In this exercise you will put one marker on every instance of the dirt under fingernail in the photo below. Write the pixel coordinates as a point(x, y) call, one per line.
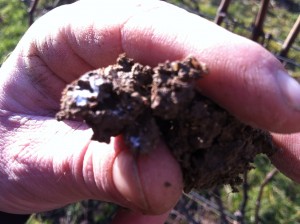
point(146, 104)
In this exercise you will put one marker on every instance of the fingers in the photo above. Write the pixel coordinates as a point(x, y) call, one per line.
point(81, 36)
point(287, 159)
point(243, 77)
point(40, 162)
point(46, 164)
point(150, 183)
point(153, 181)
point(61, 46)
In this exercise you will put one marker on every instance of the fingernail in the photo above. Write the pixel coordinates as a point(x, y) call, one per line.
point(290, 89)
point(126, 179)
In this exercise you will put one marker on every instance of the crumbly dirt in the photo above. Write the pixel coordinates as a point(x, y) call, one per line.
point(144, 104)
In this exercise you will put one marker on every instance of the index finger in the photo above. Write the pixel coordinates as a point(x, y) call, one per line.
point(244, 78)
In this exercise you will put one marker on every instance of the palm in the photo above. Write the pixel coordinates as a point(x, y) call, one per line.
point(46, 164)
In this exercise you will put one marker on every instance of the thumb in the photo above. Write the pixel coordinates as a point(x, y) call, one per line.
point(48, 164)
point(287, 159)
point(150, 183)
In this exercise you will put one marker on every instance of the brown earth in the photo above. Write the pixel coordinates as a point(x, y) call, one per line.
point(145, 104)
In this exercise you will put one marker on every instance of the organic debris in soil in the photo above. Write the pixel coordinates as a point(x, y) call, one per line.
point(144, 104)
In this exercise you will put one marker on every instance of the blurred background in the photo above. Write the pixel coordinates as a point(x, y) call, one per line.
point(266, 196)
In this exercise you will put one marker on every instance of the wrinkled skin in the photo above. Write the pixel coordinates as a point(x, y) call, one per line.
point(46, 164)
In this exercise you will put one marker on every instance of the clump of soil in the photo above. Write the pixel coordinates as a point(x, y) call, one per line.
point(145, 104)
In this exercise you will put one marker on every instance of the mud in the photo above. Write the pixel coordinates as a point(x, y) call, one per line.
point(144, 104)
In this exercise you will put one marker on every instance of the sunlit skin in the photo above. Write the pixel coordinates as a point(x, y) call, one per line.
point(46, 164)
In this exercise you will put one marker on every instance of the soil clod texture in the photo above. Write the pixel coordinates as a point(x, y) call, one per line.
point(145, 104)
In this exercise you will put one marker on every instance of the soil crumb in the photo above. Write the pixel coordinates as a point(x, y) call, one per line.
point(144, 104)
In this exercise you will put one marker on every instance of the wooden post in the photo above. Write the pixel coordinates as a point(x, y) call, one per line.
point(222, 11)
point(257, 30)
point(31, 11)
point(290, 38)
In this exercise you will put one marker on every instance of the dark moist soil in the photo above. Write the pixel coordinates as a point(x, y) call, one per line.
point(144, 104)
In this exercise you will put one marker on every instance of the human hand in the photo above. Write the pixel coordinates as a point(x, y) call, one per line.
point(46, 164)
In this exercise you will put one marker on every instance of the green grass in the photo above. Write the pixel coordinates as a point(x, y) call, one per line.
point(88, 211)
point(280, 196)
point(13, 24)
